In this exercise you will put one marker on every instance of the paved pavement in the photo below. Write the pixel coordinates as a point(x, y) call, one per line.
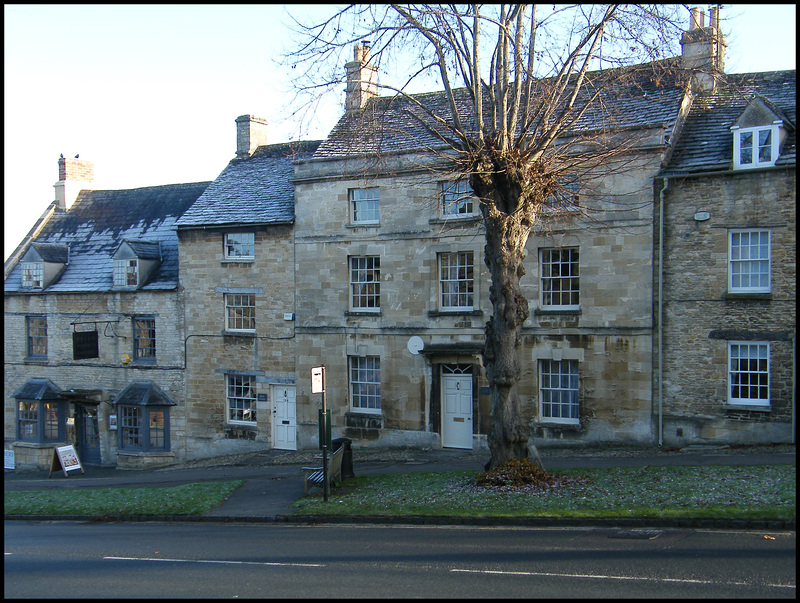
point(273, 480)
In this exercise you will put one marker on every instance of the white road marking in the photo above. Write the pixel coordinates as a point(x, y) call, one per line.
point(214, 561)
point(608, 577)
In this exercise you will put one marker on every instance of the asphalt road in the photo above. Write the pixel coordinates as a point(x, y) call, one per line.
point(204, 560)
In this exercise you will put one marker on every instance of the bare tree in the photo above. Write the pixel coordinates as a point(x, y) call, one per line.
point(519, 81)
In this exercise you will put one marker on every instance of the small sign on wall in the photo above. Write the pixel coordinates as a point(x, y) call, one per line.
point(8, 460)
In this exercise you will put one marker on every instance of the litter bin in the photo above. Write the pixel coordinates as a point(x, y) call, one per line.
point(347, 455)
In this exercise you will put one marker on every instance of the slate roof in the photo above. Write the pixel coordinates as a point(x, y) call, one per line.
point(97, 223)
point(57, 254)
point(706, 142)
point(143, 393)
point(38, 389)
point(149, 250)
point(650, 95)
point(252, 191)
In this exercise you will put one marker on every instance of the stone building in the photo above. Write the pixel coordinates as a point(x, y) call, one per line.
point(93, 327)
point(392, 292)
point(238, 279)
point(155, 325)
point(726, 368)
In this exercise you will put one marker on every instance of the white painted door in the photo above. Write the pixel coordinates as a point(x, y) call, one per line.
point(457, 411)
point(284, 417)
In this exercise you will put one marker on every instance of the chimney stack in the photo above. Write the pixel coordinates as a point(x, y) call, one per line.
point(703, 51)
point(251, 133)
point(362, 79)
point(73, 176)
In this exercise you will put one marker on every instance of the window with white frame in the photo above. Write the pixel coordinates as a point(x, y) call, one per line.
point(364, 205)
point(36, 327)
point(457, 199)
point(749, 261)
point(144, 338)
point(240, 245)
point(755, 147)
point(365, 383)
point(32, 274)
point(126, 273)
point(241, 398)
point(365, 283)
point(560, 285)
point(748, 372)
point(456, 281)
point(559, 391)
point(240, 312)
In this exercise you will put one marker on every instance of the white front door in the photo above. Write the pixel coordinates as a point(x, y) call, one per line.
point(457, 411)
point(284, 417)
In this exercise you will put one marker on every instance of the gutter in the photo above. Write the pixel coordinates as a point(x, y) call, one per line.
point(794, 388)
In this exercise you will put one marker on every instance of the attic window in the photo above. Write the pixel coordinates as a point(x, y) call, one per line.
point(457, 199)
point(126, 273)
point(240, 245)
point(364, 204)
point(755, 147)
point(32, 274)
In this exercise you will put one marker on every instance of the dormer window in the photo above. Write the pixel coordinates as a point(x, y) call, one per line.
point(755, 147)
point(135, 261)
point(126, 273)
point(758, 134)
point(43, 264)
point(32, 275)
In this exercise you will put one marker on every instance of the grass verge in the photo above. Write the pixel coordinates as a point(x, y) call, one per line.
point(718, 492)
point(187, 499)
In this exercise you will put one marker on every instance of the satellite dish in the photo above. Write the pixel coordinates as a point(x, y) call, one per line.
point(415, 344)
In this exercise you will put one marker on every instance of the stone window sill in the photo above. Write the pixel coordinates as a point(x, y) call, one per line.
point(569, 312)
point(562, 426)
point(238, 261)
point(748, 407)
point(748, 296)
point(439, 313)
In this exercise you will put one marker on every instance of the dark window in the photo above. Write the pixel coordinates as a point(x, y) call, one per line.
point(144, 338)
point(144, 428)
point(41, 420)
point(37, 336)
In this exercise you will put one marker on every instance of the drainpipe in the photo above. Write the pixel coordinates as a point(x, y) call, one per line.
point(794, 389)
point(662, 194)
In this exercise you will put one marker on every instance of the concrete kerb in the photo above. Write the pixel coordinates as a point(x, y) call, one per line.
point(419, 520)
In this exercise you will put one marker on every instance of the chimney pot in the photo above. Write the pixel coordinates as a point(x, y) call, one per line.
point(697, 18)
point(713, 17)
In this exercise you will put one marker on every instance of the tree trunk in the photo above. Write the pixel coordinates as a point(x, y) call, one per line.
point(508, 219)
point(508, 436)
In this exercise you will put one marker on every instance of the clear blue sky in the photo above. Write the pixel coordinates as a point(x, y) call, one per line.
point(150, 93)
